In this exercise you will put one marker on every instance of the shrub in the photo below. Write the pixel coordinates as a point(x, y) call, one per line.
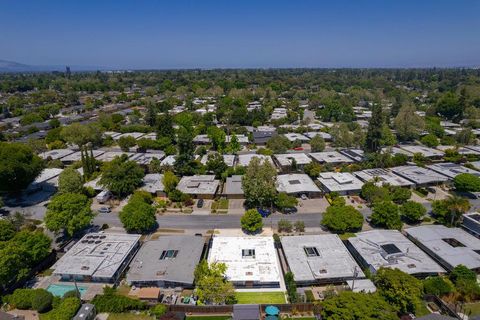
point(466, 182)
point(65, 310)
point(438, 286)
point(158, 310)
point(284, 225)
point(109, 301)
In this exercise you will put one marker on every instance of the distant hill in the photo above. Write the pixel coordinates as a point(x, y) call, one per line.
point(12, 66)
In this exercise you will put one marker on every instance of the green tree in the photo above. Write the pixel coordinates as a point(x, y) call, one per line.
point(317, 144)
point(373, 193)
point(313, 169)
point(65, 310)
point(400, 290)
point(291, 287)
point(70, 181)
point(284, 201)
point(439, 286)
point(217, 136)
point(233, 146)
point(467, 182)
point(399, 195)
point(216, 164)
point(412, 211)
point(258, 183)
point(69, 212)
point(81, 134)
point(19, 166)
point(7, 230)
point(211, 283)
point(279, 144)
point(341, 219)
point(449, 211)
point(448, 106)
point(408, 124)
point(42, 300)
point(165, 126)
point(385, 214)
point(374, 132)
point(126, 142)
point(429, 140)
point(121, 176)
point(342, 137)
point(252, 221)
point(170, 181)
point(357, 306)
point(138, 216)
point(183, 162)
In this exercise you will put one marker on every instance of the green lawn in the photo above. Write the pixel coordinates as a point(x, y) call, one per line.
point(221, 204)
point(260, 297)
point(128, 316)
point(474, 308)
point(208, 317)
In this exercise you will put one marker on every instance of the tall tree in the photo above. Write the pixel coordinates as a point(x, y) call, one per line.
point(70, 181)
point(212, 286)
point(258, 183)
point(69, 212)
point(121, 176)
point(408, 124)
point(374, 133)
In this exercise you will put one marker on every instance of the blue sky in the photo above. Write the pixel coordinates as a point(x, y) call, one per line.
point(243, 33)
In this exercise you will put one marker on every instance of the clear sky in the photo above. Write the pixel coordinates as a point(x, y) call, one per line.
point(241, 33)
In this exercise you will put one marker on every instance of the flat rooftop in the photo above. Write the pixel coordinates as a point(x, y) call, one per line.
point(199, 184)
point(247, 258)
point(452, 245)
point(330, 157)
point(295, 183)
point(168, 160)
point(77, 156)
point(396, 150)
point(419, 175)
point(153, 183)
point(233, 185)
point(355, 154)
point(285, 159)
point(55, 154)
point(319, 257)
point(326, 136)
point(383, 176)
point(451, 170)
point(244, 159)
point(296, 136)
point(110, 155)
point(145, 158)
point(391, 249)
point(98, 255)
point(229, 159)
point(168, 258)
point(425, 151)
point(340, 181)
point(460, 150)
point(135, 135)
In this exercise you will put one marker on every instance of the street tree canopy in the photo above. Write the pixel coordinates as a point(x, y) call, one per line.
point(258, 183)
point(121, 176)
point(341, 219)
point(70, 181)
point(252, 221)
point(138, 215)
point(69, 212)
point(385, 214)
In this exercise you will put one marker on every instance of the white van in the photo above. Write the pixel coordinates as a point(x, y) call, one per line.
point(104, 196)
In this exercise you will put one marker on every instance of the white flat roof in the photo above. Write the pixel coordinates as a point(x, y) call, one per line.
point(295, 183)
point(110, 155)
point(244, 159)
point(229, 159)
point(262, 266)
point(391, 249)
point(425, 151)
point(324, 135)
point(285, 159)
point(330, 157)
point(451, 170)
point(153, 183)
point(98, 255)
point(383, 176)
point(419, 175)
point(340, 181)
point(463, 249)
point(199, 184)
point(296, 136)
point(47, 174)
point(55, 154)
point(77, 156)
point(319, 257)
point(168, 161)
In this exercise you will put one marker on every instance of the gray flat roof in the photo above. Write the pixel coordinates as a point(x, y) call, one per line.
point(199, 184)
point(451, 170)
point(77, 156)
point(233, 185)
point(355, 154)
point(436, 239)
point(383, 176)
point(391, 249)
point(98, 255)
point(55, 154)
point(285, 159)
point(244, 159)
point(332, 262)
point(425, 151)
point(147, 265)
point(147, 157)
point(295, 183)
point(330, 157)
point(110, 155)
point(340, 181)
point(153, 183)
point(419, 175)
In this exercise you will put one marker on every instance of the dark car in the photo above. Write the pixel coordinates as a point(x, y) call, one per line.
point(264, 212)
point(290, 210)
point(200, 203)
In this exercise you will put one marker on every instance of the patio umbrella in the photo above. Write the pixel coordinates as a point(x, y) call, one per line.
point(272, 311)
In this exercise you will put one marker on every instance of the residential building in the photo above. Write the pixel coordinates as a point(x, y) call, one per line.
point(297, 184)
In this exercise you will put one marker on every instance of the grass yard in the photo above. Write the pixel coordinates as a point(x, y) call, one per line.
point(260, 297)
point(129, 316)
point(220, 205)
point(474, 308)
point(208, 317)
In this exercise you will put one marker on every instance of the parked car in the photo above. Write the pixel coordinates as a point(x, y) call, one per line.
point(431, 190)
point(264, 212)
point(104, 210)
point(104, 196)
point(200, 203)
point(304, 196)
point(290, 210)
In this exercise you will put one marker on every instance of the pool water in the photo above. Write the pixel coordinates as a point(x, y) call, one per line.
point(59, 290)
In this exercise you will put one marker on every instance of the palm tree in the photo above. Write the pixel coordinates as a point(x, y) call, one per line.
point(457, 206)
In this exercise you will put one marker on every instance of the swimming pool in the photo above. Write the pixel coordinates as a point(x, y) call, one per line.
point(59, 290)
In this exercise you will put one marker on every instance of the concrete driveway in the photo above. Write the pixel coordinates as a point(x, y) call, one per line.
point(235, 206)
point(312, 205)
